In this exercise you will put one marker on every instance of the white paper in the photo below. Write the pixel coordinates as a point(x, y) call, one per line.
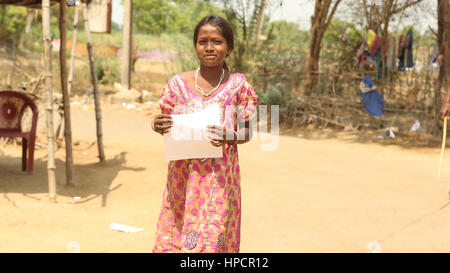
point(124, 228)
point(187, 137)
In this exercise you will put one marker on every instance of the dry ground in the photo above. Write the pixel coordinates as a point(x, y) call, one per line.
point(312, 194)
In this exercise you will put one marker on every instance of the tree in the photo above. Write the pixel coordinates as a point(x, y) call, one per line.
point(259, 15)
point(324, 11)
point(444, 49)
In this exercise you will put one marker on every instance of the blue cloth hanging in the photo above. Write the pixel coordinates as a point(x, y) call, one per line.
point(409, 46)
point(372, 99)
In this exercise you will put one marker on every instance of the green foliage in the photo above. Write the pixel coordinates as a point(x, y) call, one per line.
point(12, 24)
point(279, 59)
point(428, 38)
point(183, 44)
point(340, 43)
point(107, 70)
point(175, 16)
point(276, 94)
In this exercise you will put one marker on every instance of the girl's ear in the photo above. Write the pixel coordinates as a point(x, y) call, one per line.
point(229, 52)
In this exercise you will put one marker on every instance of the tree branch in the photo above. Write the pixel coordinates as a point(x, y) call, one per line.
point(366, 11)
point(407, 5)
point(333, 10)
point(433, 31)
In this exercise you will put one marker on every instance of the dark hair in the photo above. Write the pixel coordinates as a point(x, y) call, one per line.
point(225, 29)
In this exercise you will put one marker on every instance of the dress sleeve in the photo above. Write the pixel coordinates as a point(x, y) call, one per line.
point(167, 100)
point(246, 101)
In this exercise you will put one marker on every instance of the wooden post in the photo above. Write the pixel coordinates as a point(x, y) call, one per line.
point(126, 44)
point(73, 51)
point(66, 98)
point(98, 115)
point(49, 109)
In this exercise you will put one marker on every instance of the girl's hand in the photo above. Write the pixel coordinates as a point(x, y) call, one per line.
point(162, 123)
point(220, 135)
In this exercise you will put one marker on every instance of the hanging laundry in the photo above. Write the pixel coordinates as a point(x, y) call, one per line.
point(405, 51)
point(409, 48)
point(401, 52)
point(376, 50)
point(375, 45)
point(371, 36)
point(371, 97)
point(379, 64)
point(365, 55)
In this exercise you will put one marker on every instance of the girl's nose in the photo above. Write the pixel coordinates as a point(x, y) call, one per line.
point(209, 46)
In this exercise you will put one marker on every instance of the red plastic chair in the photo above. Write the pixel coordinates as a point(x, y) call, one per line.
point(12, 107)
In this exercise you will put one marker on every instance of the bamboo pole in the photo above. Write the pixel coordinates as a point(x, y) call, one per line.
point(66, 98)
point(444, 138)
point(49, 109)
point(73, 51)
point(98, 114)
point(126, 44)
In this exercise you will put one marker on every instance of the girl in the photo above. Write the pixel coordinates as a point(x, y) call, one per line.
point(201, 210)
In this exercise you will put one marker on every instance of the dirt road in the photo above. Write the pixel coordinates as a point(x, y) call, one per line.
point(309, 195)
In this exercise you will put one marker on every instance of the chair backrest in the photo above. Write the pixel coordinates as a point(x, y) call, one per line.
point(12, 107)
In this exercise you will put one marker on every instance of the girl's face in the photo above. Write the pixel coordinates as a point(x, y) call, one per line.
point(211, 46)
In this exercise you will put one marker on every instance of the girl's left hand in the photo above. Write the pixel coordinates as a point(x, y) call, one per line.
point(220, 135)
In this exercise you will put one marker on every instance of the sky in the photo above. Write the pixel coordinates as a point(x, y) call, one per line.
point(300, 11)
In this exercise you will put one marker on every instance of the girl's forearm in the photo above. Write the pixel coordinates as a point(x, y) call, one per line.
point(243, 135)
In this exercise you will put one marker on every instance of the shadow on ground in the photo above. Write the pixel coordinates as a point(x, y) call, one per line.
point(92, 180)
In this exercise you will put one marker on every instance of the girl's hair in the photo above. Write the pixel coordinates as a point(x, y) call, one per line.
point(225, 29)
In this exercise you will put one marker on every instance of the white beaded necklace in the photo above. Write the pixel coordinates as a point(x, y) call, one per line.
point(199, 89)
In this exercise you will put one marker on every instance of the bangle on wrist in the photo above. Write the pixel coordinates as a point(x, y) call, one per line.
point(236, 138)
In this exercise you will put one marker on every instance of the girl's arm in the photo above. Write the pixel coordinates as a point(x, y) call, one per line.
point(244, 133)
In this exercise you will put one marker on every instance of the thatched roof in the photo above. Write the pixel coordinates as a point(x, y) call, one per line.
point(32, 3)
point(27, 3)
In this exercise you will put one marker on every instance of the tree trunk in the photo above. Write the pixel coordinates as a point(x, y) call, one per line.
point(30, 15)
point(259, 21)
point(98, 114)
point(49, 109)
point(444, 43)
point(319, 24)
point(66, 98)
point(444, 49)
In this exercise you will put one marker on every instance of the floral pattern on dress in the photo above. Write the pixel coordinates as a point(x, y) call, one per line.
point(204, 195)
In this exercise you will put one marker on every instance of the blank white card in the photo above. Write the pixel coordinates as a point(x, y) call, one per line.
point(187, 137)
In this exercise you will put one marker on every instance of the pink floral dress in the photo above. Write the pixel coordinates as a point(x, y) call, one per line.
point(201, 209)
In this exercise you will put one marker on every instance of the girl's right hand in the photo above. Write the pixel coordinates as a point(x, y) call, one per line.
point(162, 123)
